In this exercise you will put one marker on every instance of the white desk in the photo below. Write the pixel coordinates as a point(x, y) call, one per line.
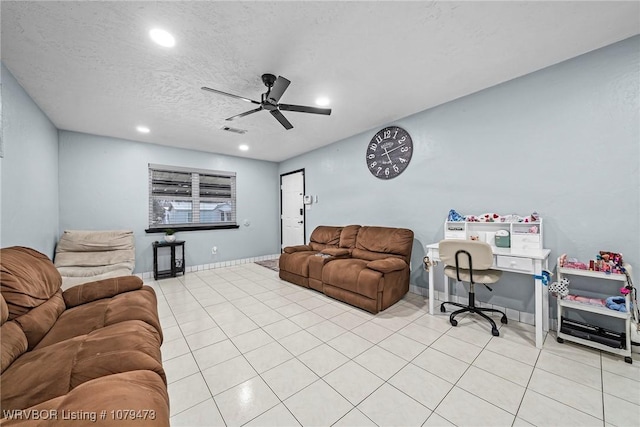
point(523, 261)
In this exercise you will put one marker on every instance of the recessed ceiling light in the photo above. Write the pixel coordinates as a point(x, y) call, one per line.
point(323, 101)
point(143, 129)
point(162, 37)
point(244, 147)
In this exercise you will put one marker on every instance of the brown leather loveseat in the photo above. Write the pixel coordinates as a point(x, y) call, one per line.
point(87, 356)
point(364, 266)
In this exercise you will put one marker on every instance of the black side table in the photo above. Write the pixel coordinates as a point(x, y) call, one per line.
point(177, 265)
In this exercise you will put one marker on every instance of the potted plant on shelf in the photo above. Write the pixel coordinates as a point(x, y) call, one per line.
point(169, 235)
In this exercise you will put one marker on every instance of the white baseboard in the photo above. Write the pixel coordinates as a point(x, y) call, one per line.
point(214, 265)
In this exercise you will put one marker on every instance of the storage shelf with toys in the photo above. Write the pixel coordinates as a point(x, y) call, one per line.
point(502, 231)
point(614, 307)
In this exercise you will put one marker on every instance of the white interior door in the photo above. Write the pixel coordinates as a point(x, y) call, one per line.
point(292, 209)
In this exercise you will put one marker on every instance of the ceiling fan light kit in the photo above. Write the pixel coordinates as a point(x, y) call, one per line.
point(270, 101)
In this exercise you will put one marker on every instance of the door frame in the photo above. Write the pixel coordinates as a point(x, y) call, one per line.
point(304, 210)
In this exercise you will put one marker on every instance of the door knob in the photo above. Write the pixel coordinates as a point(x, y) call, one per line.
point(300, 222)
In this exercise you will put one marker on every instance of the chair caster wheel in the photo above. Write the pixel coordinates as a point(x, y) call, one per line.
point(454, 322)
point(495, 332)
point(628, 359)
point(442, 309)
point(560, 340)
point(504, 320)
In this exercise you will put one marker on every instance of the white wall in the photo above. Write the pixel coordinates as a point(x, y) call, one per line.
point(104, 185)
point(563, 141)
point(29, 187)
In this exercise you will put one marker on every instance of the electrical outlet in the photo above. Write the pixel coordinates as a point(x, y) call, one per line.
point(214, 250)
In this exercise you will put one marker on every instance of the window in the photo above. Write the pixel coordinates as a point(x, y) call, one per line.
point(191, 199)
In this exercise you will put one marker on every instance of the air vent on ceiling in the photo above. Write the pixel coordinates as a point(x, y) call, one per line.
point(234, 130)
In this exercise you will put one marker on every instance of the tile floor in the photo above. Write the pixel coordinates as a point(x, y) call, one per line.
point(243, 347)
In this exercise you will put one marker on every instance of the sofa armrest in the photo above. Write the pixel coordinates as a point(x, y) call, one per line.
point(387, 265)
point(335, 252)
point(106, 288)
point(298, 248)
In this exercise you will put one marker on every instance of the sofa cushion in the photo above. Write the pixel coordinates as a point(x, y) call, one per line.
point(4, 310)
point(100, 289)
point(336, 252)
point(348, 236)
point(387, 265)
point(38, 322)
point(296, 263)
point(373, 256)
point(82, 241)
point(88, 255)
point(13, 342)
point(352, 274)
point(386, 240)
point(297, 248)
point(12, 339)
point(74, 276)
point(324, 236)
point(141, 392)
point(83, 319)
point(52, 371)
point(28, 279)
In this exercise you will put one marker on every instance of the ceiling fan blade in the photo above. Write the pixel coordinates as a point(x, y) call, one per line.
point(282, 119)
point(278, 89)
point(229, 94)
point(305, 109)
point(246, 113)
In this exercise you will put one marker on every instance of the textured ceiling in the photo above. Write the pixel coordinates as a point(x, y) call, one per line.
point(92, 68)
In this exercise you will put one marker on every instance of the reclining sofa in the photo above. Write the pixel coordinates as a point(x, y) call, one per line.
point(84, 256)
point(367, 267)
point(87, 356)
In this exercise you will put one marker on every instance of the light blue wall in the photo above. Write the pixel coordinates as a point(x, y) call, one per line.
point(563, 141)
point(29, 171)
point(104, 185)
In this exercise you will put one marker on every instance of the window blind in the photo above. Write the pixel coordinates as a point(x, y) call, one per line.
point(186, 197)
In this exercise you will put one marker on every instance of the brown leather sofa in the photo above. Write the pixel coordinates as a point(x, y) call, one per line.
point(367, 267)
point(294, 261)
point(87, 356)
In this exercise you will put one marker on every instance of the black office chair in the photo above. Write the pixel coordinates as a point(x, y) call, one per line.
point(470, 261)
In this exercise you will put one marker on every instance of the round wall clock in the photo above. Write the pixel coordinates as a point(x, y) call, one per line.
point(389, 152)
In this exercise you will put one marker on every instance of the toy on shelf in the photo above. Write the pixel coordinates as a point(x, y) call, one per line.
point(586, 300)
point(489, 217)
point(616, 303)
point(561, 289)
point(454, 216)
point(571, 263)
point(607, 262)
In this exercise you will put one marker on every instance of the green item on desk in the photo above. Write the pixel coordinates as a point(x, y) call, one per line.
point(503, 239)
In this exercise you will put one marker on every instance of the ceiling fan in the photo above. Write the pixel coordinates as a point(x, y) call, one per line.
point(269, 101)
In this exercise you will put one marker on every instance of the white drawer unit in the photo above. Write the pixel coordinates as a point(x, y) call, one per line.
point(525, 241)
point(514, 263)
point(455, 231)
